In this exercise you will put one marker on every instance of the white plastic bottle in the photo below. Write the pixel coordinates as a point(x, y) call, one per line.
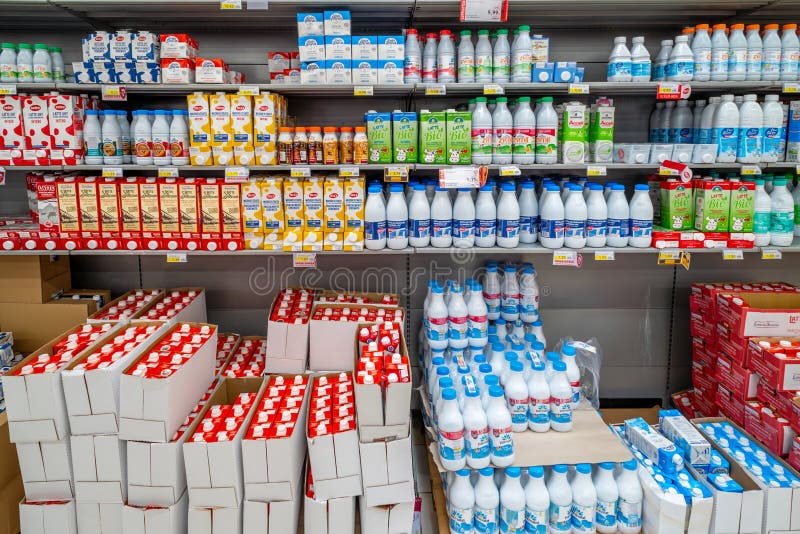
point(751, 124)
point(92, 138)
point(441, 219)
point(737, 54)
point(697, 115)
point(524, 135)
point(481, 133)
point(142, 140)
point(125, 135)
point(781, 227)
point(705, 134)
point(412, 64)
point(466, 58)
point(607, 497)
point(461, 502)
point(552, 217)
point(528, 214)
point(529, 295)
point(516, 391)
point(538, 399)
point(512, 503)
point(501, 58)
point(478, 318)
point(8, 63)
point(437, 319)
point(508, 217)
point(618, 217)
point(755, 52)
point(681, 122)
point(42, 64)
point(179, 137)
point(726, 129)
point(419, 218)
point(160, 134)
point(24, 63)
point(701, 49)
point(655, 120)
point(112, 139)
point(660, 64)
point(451, 433)
point(572, 372)
point(58, 64)
point(396, 219)
point(464, 219)
point(680, 66)
point(771, 66)
point(575, 215)
point(521, 56)
point(537, 502)
point(374, 219)
point(429, 59)
point(790, 52)
point(483, 58)
point(620, 67)
point(485, 218)
point(502, 133)
point(509, 296)
point(560, 399)
point(641, 217)
point(629, 507)
point(761, 216)
point(446, 58)
point(773, 129)
point(560, 500)
point(665, 121)
point(720, 52)
point(584, 500)
point(457, 318)
point(492, 292)
point(487, 503)
point(641, 66)
point(596, 217)
point(501, 437)
point(476, 430)
point(546, 131)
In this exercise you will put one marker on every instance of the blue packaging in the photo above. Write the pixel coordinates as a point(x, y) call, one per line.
point(661, 451)
point(148, 72)
point(338, 47)
point(542, 72)
point(145, 46)
point(564, 72)
point(365, 72)
point(338, 72)
point(119, 48)
point(364, 47)
point(312, 48)
point(310, 24)
point(724, 482)
point(104, 72)
point(98, 47)
point(391, 47)
point(337, 22)
point(126, 72)
point(579, 72)
point(718, 464)
point(84, 73)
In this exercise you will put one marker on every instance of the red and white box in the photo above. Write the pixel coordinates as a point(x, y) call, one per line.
point(159, 389)
point(227, 345)
point(210, 70)
point(91, 382)
point(190, 220)
point(180, 304)
point(248, 360)
point(99, 468)
point(794, 454)
point(753, 314)
point(287, 328)
point(9, 240)
point(53, 517)
point(46, 470)
point(156, 519)
point(90, 214)
point(333, 438)
point(130, 214)
point(385, 300)
point(178, 45)
point(730, 405)
point(169, 213)
point(329, 516)
point(677, 239)
point(741, 382)
point(150, 213)
point(65, 118)
point(177, 70)
point(129, 306)
point(33, 389)
point(12, 133)
point(35, 117)
point(768, 428)
point(110, 214)
point(777, 360)
point(683, 401)
point(210, 199)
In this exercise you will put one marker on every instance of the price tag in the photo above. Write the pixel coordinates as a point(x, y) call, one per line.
point(176, 257)
point(578, 89)
point(8, 89)
point(493, 89)
point(435, 89)
point(349, 171)
point(396, 173)
point(362, 90)
point(596, 170)
point(674, 257)
point(567, 258)
point(461, 176)
point(673, 168)
point(236, 175)
point(604, 255)
point(112, 172)
point(771, 254)
point(249, 90)
point(300, 172)
point(168, 172)
point(509, 170)
point(304, 259)
point(673, 91)
point(791, 87)
point(230, 4)
point(750, 170)
point(114, 93)
point(797, 169)
point(732, 254)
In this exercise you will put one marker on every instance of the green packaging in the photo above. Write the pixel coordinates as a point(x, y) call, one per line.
point(405, 132)
point(379, 136)
point(459, 137)
point(677, 211)
point(601, 133)
point(574, 133)
point(713, 207)
point(743, 206)
point(433, 137)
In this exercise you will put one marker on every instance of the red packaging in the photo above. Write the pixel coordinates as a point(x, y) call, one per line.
point(731, 406)
point(211, 210)
point(190, 214)
point(794, 454)
point(35, 118)
point(12, 134)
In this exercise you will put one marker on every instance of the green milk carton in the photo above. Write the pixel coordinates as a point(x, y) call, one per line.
point(379, 136)
point(677, 207)
point(405, 133)
point(432, 137)
point(713, 206)
point(743, 206)
point(601, 132)
point(459, 137)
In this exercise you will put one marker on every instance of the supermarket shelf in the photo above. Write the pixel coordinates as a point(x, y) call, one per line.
point(284, 89)
point(604, 88)
point(408, 250)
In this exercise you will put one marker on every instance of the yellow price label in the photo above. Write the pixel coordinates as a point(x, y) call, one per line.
point(396, 173)
point(751, 170)
point(230, 4)
point(732, 254)
point(349, 172)
point(168, 172)
point(304, 259)
point(578, 89)
point(8, 89)
point(493, 89)
point(363, 90)
point(178, 257)
point(509, 170)
point(112, 172)
point(771, 254)
point(249, 90)
point(790, 87)
point(596, 170)
point(300, 172)
point(435, 89)
point(604, 255)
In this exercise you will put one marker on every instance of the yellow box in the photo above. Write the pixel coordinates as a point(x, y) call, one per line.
point(252, 211)
point(354, 213)
point(253, 241)
point(313, 201)
point(200, 156)
point(272, 204)
point(221, 126)
point(273, 240)
point(243, 155)
point(242, 120)
point(267, 110)
point(334, 214)
point(223, 155)
point(312, 241)
point(199, 120)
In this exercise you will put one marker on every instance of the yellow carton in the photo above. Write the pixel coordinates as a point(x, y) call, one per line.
point(354, 198)
point(273, 240)
point(221, 126)
point(199, 120)
point(252, 211)
point(294, 214)
point(200, 156)
point(334, 214)
point(253, 241)
point(266, 120)
point(243, 155)
point(223, 155)
point(272, 207)
point(242, 120)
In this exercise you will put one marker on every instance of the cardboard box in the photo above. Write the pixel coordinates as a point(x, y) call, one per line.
point(287, 340)
point(156, 473)
point(100, 296)
point(752, 314)
point(92, 397)
point(274, 517)
point(100, 469)
point(46, 469)
point(334, 516)
point(35, 324)
point(50, 518)
point(99, 518)
point(153, 409)
point(392, 519)
point(33, 279)
point(115, 304)
point(386, 472)
point(214, 470)
point(156, 520)
point(35, 403)
point(215, 520)
point(284, 365)
point(11, 490)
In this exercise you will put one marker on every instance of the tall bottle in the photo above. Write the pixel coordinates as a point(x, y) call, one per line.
point(552, 214)
point(751, 128)
point(487, 503)
point(771, 66)
point(660, 64)
point(529, 295)
point(680, 65)
point(641, 66)
point(485, 218)
point(546, 131)
point(396, 219)
point(584, 500)
point(596, 217)
point(501, 58)
point(461, 502)
point(143, 141)
point(179, 137)
point(538, 399)
point(501, 438)
point(492, 292)
point(112, 139)
point(790, 52)
point(125, 135)
point(629, 508)
point(528, 214)
point(437, 320)
point(701, 50)
point(618, 217)
point(412, 64)
point(641, 217)
point(720, 52)
point(24, 63)
point(419, 218)
point(796, 199)
point(666, 122)
point(42, 64)
point(607, 497)
point(706, 134)
point(476, 430)
point(560, 399)
point(502, 133)
point(464, 219)
point(466, 58)
point(737, 55)
point(430, 66)
point(575, 215)
point(655, 120)
point(441, 219)
point(446, 58)
point(697, 115)
point(726, 129)
point(374, 219)
point(516, 391)
point(761, 216)
point(483, 58)
point(755, 52)
point(512, 503)
point(508, 217)
point(93, 138)
point(524, 135)
point(681, 122)
point(773, 129)
point(781, 228)
point(160, 134)
point(620, 67)
point(451, 433)
point(477, 318)
point(521, 56)
point(560, 500)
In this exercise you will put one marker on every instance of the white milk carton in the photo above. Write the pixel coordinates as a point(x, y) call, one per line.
point(145, 47)
point(312, 48)
point(365, 71)
point(310, 24)
point(391, 47)
point(312, 72)
point(338, 72)
point(364, 47)
point(338, 47)
point(120, 46)
point(337, 22)
point(390, 72)
point(12, 132)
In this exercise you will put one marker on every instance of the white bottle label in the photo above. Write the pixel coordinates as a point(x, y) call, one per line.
point(519, 410)
point(546, 141)
point(492, 302)
point(552, 228)
point(574, 228)
point(463, 228)
point(478, 443)
point(754, 60)
point(420, 228)
point(502, 442)
point(641, 68)
point(606, 513)
point(457, 328)
point(789, 61)
point(397, 229)
point(538, 411)
point(702, 62)
point(719, 61)
point(629, 514)
point(500, 65)
point(478, 326)
point(521, 63)
point(560, 517)
point(486, 228)
point(772, 63)
point(92, 145)
point(582, 518)
point(772, 142)
point(451, 445)
point(437, 328)
point(727, 140)
point(561, 410)
point(641, 227)
point(442, 228)
point(510, 303)
point(617, 69)
point(486, 520)
point(502, 140)
point(535, 521)
point(461, 520)
point(507, 228)
point(374, 230)
point(466, 66)
point(512, 521)
point(524, 141)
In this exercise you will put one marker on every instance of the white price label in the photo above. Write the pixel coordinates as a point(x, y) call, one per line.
point(304, 259)
point(454, 177)
point(579, 88)
point(362, 90)
point(509, 170)
point(230, 4)
point(791, 87)
point(396, 173)
point(114, 93)
point(236, 175)
point(112, 172)
point(249, 90)
point(604, 255)
point(567, 258)
point(596, 170)
point(751, 170)
point(168, 172)
point(177, 257)
point(8, 89)
point(300, 172)
point(493, 89)
point(435, 89)
point(349, 171)
point(771, 254)
point(732, 254)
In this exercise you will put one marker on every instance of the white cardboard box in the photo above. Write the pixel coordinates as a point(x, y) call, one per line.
point(334, 516)
point(156, 472)
point(214, 470)
point(153, 409)
point(152, 520)
point(215, 520)
point(35, 403)
point(100, 469)
point(387, 472)
point(735, 512)
point(392, 519)
point(274, 517)
point(284, 365)
point(288, 341)
point(95, 518)
point(195, 311)
point(46, 470)
point(92, 397)
point(274, 467)
point(56, 518)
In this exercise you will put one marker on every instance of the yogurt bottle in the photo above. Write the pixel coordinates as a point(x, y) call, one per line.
point(701, 50)
point(461, 501)
point(560, 500)
point(524, 135)
point(575, 215)
point(8, 63)
point(24, 63)
point(528, 214)
point(618, 217)
point(466, 58)
point(607, 497)
point(755, 52)
point(641, 66)
point(486, 218)
point(773, 129)
point(374, 219)
point(737, 55)
point(619, 62)
point(720, 52)
point(396, 219)
point(537, 501)
point(726, 129)
point(680, 65)
point(419, 218)
point(142, 140)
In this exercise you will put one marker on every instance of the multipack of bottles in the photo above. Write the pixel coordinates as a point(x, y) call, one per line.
point(572, 499)
point(26, 63)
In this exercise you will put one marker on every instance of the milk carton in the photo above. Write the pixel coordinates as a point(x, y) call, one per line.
point(231, 215)
point(210, 70)
point(365, 72)
point(314, 215)
point(12, 132)
point(199, 120)
point(310, 24)
point(338, 47)
point(574, 133)
point(252, 211)
point(542, 72)
point(69, 214)
point(312, 72)
point(242, 120)
point(338, 72)
point(35, 117)
point(312, 48)
point(540, 49)
point(743, 204)
point(677, 208)
point(354, 197)
point(120, 46)
point(265, 128)
point(379, 133)
point(601, 132)
point(433, 137)
point(405, 133)
point(391, 47)
point(201, 156)
point(272, 208)
point(175, 71)
point(390, 72)
point(459, 137)
point(337, 23)
point(89, 204)
point(244, 155)
point(293, 214)
point(148, 72)
point(47, 204)
point(65, 118)
point(130, 206)
point(145, 47)
point(189, 203)
point(211, 213)
point(125, 72)
point(178, 46)
point(220, 114)
point(223, 155)
point(278, 61)
point(364, 47)
point(110, 214)
point(169, 205)
point(334, 214)
point(97, 47)
point(712, 207)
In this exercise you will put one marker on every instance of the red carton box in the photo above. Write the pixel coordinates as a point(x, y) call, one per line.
point(752, 314)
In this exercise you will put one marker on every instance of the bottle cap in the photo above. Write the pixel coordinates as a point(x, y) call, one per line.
point(559, 366)
point(512, 472)
point(494, 391)
point(536, 471)
point(583, 468)
point(449, 394)
point(560, 468)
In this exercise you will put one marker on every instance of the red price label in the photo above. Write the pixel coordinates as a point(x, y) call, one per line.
point(673, 91)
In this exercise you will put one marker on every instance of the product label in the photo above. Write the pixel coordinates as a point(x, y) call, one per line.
point(501, 441)
point(483, 66)
point(618, 228)
point(485, 227)
point(619, 68)
point(771, 148)
point(508, 228)
point(446, 66)
point(519, 410)
point(574, 228)
point(596, 228)
point(551, 228)
point(737, 61)
point(771, 66)
point(482, 141)
point(754, 60)
point(606, 513)
point(789, 61)
point(629, 514)
point(560, 517)
point(528, 225)
point(538, 410)
point(441, 228)
point(535, 521)
point(451, 445)
point(111, 146)
point(429, 68)
point(463, 228)
point(781, 222)
point(466, 66)
point(510, 304)
point(761, 221)
point(375, 230)
point(749, 143)
point(501, 64)
point(40, 73)
point(478, 443)
point(641, 68)
point(680, 68)
point(492, 303)
point(457, 328)
point(512, 521)
point(582, 518)
point(641, 228)
point(502, 140)
point(524, 141)
point(92, 144)
point(420, 228)
point(397, 229)
point(702, 62)
point(727, 139)
point(486, 520)
point(561, 410)
point(478, 326)
point(437, 328)
point(460, 520)
point(719, 61)
point(546, 141)
point(24, 71)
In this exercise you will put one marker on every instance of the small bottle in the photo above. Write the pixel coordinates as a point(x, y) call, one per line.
point(761, 215)
point(737, 54)
point(641, 217)
point(512, 503)
point(790, 52)
point(446, 58)
point(58, 64)
point(375, 219)
point(596, 217)
point(412, 65)
point(179, 137)
point(460, 502)
point(680, 66)
point(660, 64)
point(560, 492)
point(537, 501)
point(524, 133)
point(482, 133)
point(546, 131)
point(300, 146)
point(160, 136)
point(641, 66)
point(629, 507)
point(755, 52)
point(143, 140)
point(464, 219)
point(575, 215)
point(502, 133)
point(701, 49)
point(720, 53)
point(487, 503)
point(483, 58)
point(573, 373)
point(508, 218)
point(285, 146)
point(771, 65)
point(485, 218)
point(429, 59)
point(25, 63)
point(551, 230)
point(42, 64)
point(8, 63)
point(500, 434)
point(112, 139)
point(521, 56)
point(441, 219)
point(538, 399)
point(618, 217)
point(93, 138)
point(584, 500)
point(619, 62)
point(607, 496)
point(476, 430)
point(360, 146)
point(560, 399)
point(419, 218)
point(125, 135)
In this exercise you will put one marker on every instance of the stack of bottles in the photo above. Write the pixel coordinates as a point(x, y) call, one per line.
point(718, 54)
point(23, 63)
point(309, 146)
point(520, 500)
